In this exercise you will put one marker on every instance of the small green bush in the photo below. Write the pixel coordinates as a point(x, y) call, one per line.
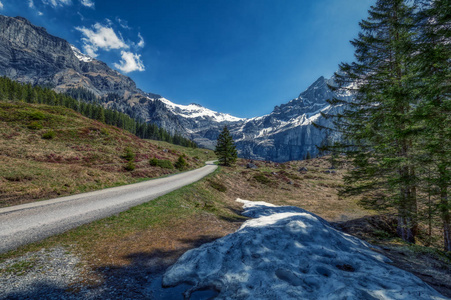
point(130, 166)
point(262, 179)
point(104, 131)
point(181, 163)
point(162, 163)
point(35, 125)
point(36, 115)
point(49, 135)
point(129, 155)
point(153, 162)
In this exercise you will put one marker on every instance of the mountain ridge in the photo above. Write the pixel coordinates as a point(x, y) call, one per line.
point(30, 54)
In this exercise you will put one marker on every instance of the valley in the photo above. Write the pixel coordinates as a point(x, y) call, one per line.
point(110, 191)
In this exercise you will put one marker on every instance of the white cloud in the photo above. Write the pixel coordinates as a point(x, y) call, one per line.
point(130, 62)
point(88, 3)
point(141, 41)
point(56, 3)
point(123, 23)
point(1, 5)
point(31, 4)
point(100, 37)
point(40, 13)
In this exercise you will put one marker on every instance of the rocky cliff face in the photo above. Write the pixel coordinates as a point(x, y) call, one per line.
point(29, 54)
point(288, 132)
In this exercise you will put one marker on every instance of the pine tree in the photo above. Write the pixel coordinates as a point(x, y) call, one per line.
point(434, 110)
point(378, 123)
point(225, 148)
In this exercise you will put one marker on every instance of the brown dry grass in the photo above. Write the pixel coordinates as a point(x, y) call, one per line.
point(84, 155)
point(315, 190)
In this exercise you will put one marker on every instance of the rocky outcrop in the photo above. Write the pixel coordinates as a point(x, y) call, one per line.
point(288, 132)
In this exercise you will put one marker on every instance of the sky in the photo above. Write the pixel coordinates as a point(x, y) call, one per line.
point(241, 57)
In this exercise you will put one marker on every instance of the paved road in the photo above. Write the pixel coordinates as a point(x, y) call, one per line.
point(23, 224)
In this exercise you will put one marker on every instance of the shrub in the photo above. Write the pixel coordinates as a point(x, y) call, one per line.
point(35, 125)
point(49, 135)
point(130, 166)
point(153, 162)
point(262, 179)
point(162, 163)
point(129, 155)
point(37, 115)
point(104, 131)
point(181, 163)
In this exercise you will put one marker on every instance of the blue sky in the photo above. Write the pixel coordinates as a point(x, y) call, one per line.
point(241, 57)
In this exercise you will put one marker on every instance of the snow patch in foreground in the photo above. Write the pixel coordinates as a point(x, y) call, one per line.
point(286, 252)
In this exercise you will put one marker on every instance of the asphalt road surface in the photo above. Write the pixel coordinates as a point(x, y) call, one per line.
point(23, 224)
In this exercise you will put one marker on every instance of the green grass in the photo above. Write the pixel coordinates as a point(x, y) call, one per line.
point(18, 268)
point(185, 203)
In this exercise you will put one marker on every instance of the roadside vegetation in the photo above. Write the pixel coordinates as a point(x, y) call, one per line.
point(51, 151)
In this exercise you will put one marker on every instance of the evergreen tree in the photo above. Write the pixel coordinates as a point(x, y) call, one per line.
point(434, 111)
point(225, 148)
point(378, 124)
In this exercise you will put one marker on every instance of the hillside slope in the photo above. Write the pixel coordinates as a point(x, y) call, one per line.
point(48, 151)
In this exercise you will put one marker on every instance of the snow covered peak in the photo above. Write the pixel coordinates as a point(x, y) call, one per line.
point(198, 111)
point(80, 55)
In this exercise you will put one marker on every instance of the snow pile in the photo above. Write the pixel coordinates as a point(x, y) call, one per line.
point(289, 253)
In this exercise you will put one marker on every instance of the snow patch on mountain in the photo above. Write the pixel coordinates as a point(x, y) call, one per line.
point(81, 56)
point(198, 111)
point(286, 252)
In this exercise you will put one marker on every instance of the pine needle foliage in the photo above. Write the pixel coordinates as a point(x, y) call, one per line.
point(225, 148)
point(377, 127)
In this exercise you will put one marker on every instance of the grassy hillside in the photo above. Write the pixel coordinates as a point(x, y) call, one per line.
point(49, 151)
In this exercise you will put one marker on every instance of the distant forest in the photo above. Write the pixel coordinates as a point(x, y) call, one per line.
point(14, 91)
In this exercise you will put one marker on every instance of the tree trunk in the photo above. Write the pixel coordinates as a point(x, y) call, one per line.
point(446, 218)
point(406, 229)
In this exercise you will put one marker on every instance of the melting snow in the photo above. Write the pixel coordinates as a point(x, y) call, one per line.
point(80, 55)
point(286, 252)
point(196, 111)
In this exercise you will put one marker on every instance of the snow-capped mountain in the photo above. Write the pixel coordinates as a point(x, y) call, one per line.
point(194, 111)
point(29, 54)
point(288, 133)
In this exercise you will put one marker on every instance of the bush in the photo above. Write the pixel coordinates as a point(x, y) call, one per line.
point(153, 162)
point(129, 154)
point(104, 131)
point(162, 163)
point(49, 135)
point(130, 166)
point(181, 163)
point(35, 125)
point(36, 115)
point(262, 179)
